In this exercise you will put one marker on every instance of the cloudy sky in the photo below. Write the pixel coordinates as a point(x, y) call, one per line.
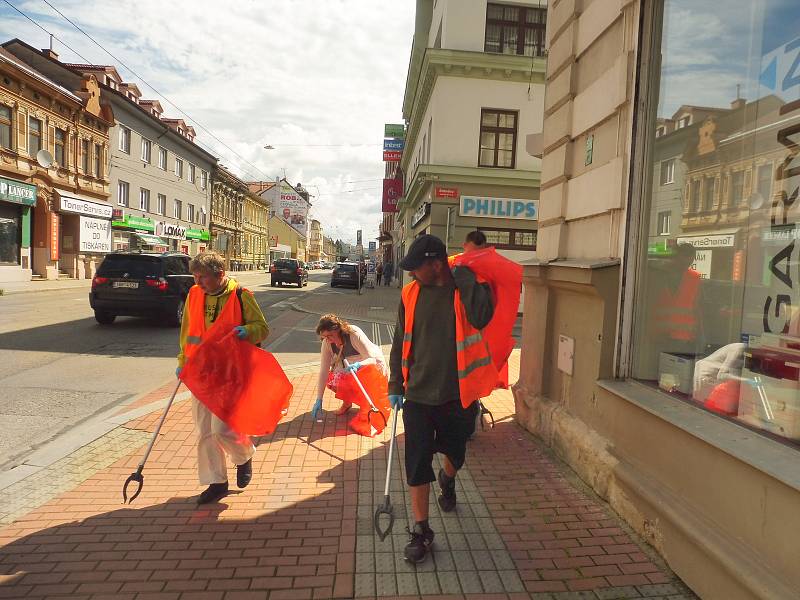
point(316, 79)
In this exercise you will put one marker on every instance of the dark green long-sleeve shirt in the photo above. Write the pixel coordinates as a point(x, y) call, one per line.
point(433, 368)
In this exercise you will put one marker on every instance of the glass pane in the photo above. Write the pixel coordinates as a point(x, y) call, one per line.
point(534, 15)
point(509, 40)
point(486, 158)
point(505, 141)
point(510, 13)
point(488, 140)
point(494, 11)
point(492, 38)
point(717, 319)
point(505, 158)
point(489, 119)
point(507, 120)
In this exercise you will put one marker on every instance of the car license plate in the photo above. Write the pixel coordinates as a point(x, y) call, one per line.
point(286, 270)
point(126, 284)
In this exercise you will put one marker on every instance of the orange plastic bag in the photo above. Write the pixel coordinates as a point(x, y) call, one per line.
point(366, 422)
point(241, 384)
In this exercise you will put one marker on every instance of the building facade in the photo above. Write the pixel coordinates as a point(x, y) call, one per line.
point(660, 333)
point(255, 236)
point(285, 241)
point(54, 183)
point(315, 245)
point(227, 215)
point(329, 248)
point(464, 163)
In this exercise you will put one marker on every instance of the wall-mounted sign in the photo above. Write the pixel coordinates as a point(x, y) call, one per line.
point(394, 130)
point(392, 156)
point(422, 212)
point(396, 145)
point(129, 221)
point(84, 207)
point(198, 234)
point(445, 192)
point(17, 192)
point(170, 230)
point(95, 234)
point(53, 236)
point(498, 208)
point(392, 192)
point(373, 246)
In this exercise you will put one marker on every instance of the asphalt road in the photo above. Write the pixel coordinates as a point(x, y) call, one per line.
point(58, 367)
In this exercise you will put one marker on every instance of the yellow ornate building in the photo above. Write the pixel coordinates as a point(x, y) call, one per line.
point(227, 213)
point(255, 237)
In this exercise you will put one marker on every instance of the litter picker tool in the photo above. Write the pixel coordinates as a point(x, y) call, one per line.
point(137, 475)
point(386, 508)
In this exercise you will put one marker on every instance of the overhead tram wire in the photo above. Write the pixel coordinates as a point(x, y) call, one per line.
point(144, 81)
point(81, 56)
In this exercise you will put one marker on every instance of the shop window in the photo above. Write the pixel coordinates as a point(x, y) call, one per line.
point(515, 30)
point(124, 139)
point(5, 126)
point(668, 171)
point(123, 193)
point(61, 147)
point(10, 233)
point(162, 158)
point(34, 136)
point(98, 161)
point(716, 318)
point(510, 239)
point(161, 207)
point(85, 156)
point(144, 199)
point(498, 138)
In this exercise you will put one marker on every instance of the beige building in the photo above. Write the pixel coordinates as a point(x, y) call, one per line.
point(55, 218)
point(671, 389)
point(255, 232)
point(285, 241)
point(315, 245)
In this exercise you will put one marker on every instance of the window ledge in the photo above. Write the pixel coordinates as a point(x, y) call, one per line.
point(761, 453)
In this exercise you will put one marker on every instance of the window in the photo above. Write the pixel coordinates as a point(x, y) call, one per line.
point(660, 131)
point(123, 193)
point(161, 208)
point(34, 136)
point(86, 158)
point(190, 213)
point(177, 209)
point(203, 180)
point(60, 147)
point(147, 148)
point(5, 126)
point(162, 158)
point(515, 30)
point(511, 239)
point(498, 138)
point(98, 161)
point(125, 139)
point(664, 221)
point(191, 173)
point(178, 167)
point(668, 171)
point(144, 199)
point(716, 315)
point(202, 216)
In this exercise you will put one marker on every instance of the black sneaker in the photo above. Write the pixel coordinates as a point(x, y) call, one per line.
point(417, 548)
point(213, 493)
point(447, 497)
point(244, 473)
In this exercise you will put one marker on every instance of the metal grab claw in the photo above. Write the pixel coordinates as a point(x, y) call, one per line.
point(138, 478)
point(384, 509)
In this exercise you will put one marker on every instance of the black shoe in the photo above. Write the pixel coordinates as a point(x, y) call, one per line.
point(447, 498)
point(417, 548)
point(213, 493)
point(244, 473)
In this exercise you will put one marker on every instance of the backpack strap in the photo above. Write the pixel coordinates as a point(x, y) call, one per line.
point(239, 290)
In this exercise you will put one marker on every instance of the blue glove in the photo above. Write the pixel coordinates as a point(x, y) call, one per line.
point(178, 372)
point(353, 367)
point(396, 400)
point(317, 408)
point(241, 331)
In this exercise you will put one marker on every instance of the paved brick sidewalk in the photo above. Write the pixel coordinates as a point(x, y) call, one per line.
point(377, 304)
point(303, 528)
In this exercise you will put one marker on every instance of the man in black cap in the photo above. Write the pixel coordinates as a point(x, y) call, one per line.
point(438, 323)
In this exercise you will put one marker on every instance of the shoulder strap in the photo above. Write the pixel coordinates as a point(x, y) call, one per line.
point(239, 291)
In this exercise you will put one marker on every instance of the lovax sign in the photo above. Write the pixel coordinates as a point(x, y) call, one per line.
point(170, 230)
point(498, 208)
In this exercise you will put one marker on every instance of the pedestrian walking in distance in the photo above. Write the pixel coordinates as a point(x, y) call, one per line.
point(388, 273)
point(379, 272)
point(340, 341)
point(218, 300)
point(439, 366)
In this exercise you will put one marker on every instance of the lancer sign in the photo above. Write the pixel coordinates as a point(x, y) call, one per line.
point(498, 208)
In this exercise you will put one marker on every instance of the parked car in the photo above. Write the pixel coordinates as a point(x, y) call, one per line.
point(288, 270)
point(346, 274)
point(141, 284)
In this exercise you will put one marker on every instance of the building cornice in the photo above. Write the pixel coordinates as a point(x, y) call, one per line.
point(474, 65)
point(450, 175)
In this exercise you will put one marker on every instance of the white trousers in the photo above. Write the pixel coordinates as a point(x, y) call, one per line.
point(214, 440)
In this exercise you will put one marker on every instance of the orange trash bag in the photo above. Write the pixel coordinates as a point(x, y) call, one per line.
point(241, 384)
point(367, 422)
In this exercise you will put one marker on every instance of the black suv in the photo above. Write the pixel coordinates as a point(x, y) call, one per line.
point(141, 285)
point(288, 270)
point(345, 274)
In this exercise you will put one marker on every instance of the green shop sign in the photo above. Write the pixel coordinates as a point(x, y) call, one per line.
point(394, 130)
point(134, 222)
point(198, 234)
point(17, 192)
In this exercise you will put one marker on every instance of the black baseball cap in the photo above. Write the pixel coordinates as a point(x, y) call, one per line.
point(424, 247)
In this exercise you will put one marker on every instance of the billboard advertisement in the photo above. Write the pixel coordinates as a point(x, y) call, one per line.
point(394, 130)
point(392, 192)
point(290, 206)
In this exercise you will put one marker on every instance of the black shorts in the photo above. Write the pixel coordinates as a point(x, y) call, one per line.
point(444, 428)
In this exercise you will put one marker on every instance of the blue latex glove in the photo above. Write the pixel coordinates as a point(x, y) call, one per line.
point(396, 400)
point(353, 367)
point(241, 331)
point(317, 408)
point(178, 371)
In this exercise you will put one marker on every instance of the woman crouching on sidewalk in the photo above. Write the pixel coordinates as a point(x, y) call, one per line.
point(340, 341)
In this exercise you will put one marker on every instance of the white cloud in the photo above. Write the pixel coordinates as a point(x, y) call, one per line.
point(279, 72)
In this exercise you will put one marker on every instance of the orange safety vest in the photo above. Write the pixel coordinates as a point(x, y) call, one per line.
point(477, 374)
point(674, 315)
point(230, 316)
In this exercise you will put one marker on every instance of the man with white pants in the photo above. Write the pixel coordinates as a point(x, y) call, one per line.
point(218, 301)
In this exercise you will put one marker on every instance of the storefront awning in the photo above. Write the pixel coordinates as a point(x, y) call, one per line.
point(151, 240)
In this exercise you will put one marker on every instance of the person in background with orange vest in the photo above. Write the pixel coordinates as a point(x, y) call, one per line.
point(475, 240)
point(676, 319)
point(218, 301)
point(439, 366)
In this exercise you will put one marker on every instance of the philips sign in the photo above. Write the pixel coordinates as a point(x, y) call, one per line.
point(498, 208)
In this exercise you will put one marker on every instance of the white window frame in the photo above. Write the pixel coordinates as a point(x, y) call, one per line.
point(179, 167)
point(161, 204)
point(123, 199)
point(177, 209)
point(147, 151)
point(190, 213)
point(203, 179)
point(670, 169)
point(192, 175)
point(162, 154)
point(144, 193)
point(125, 139)
point(667, 220)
